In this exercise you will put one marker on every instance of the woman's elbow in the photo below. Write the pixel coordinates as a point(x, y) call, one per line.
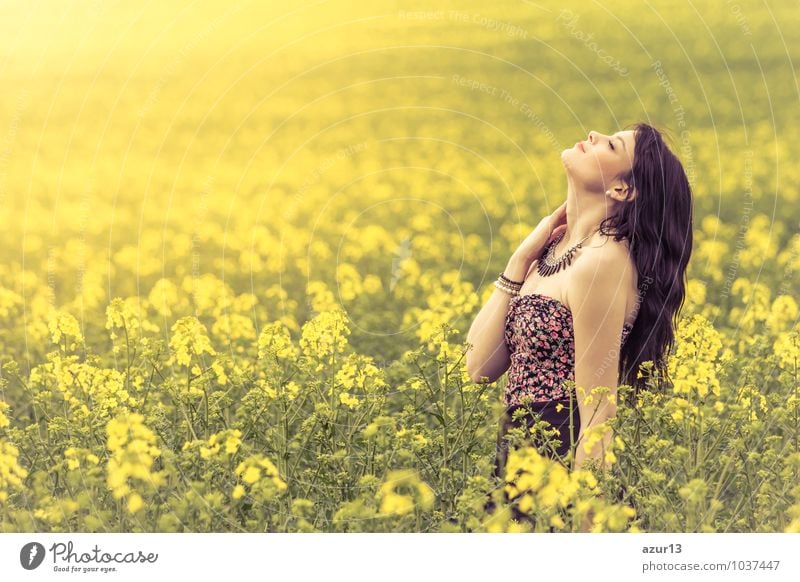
point(472, 371)
point(482, 379)
point(482, 370)
point(479, 375)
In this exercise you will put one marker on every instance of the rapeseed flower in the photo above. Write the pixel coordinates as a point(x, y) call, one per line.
point(324, 337)
point(396, 503)
point(358, 372)
point(750, 398)
point(163, 297)
point(233, 326)
point(787, 350)
point(133, 450)
point(9, 302)
point(82, 383)
point(350, 401)
point(693, 368)
point(261, 478)
point(221, 444)
point(274, 341)
point(4, 422)
point(64, 329)
point(189, 339)
point(11, 473)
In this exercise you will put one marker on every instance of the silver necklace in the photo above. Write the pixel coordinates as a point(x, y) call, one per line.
point(548, 266)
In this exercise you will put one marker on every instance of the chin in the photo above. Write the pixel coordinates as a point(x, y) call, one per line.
point(571, 153)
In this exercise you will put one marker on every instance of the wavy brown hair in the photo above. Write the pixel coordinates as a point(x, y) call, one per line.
point(658, 226)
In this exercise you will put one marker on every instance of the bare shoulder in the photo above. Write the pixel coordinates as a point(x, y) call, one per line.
point(608, 262)
point(608, 251)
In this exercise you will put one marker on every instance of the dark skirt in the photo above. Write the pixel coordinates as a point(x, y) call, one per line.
point(535, 411)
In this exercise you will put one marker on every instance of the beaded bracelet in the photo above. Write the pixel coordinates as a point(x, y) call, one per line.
point(500, 285)
point(509, 281)
point(507, 285)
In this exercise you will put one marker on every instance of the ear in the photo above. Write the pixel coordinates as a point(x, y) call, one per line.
point(630, 193)
point(624, 192)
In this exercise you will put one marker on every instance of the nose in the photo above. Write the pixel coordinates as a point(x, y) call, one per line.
point(591, 137)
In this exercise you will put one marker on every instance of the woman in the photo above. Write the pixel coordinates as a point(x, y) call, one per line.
point(592, 293)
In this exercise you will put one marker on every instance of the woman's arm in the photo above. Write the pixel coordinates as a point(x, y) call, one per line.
point(489, 358)
point(597, 295)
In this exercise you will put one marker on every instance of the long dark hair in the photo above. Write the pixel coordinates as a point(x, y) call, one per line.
point(658, 226)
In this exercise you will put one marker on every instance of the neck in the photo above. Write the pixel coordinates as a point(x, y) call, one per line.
point(585, 211)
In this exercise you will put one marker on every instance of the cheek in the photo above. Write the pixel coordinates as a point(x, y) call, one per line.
point(609, 167)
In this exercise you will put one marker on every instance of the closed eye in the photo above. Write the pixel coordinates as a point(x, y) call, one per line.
point(611, 144)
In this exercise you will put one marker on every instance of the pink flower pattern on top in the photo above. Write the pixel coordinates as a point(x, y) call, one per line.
point(540, 341)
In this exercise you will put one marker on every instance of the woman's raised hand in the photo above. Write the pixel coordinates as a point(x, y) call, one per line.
point(548, 229)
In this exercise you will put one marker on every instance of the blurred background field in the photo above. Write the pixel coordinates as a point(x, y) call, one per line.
point(232, 173)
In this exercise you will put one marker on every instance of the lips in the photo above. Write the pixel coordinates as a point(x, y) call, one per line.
point(579, 145)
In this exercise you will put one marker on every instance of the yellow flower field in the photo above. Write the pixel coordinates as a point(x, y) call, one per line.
point(243, 243)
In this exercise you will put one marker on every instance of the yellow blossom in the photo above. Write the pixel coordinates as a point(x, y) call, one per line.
point(133, 450)
point(135, 502)
point(4, 422)
point(348, 400)
point(324, 337)
point(65, 326)
point(222, 378)
point(189, 338)
point(11, 473)
point(251, 475)
point(693, 367)
point(164, 297)
point(275, 341)
point(396, 503)
point(261, 476)
point(233, 326)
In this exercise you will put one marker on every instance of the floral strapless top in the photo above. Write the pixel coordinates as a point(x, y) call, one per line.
point(540, 341)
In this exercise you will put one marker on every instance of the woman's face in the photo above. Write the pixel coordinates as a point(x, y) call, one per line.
point(598, 161)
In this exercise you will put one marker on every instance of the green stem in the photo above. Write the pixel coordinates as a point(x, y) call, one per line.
point(127, 353)
point(205, 399)
point(183, 408)
point(285, 444)
point(469, 417)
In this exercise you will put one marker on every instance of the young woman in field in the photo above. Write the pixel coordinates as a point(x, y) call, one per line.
point(592, 292)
